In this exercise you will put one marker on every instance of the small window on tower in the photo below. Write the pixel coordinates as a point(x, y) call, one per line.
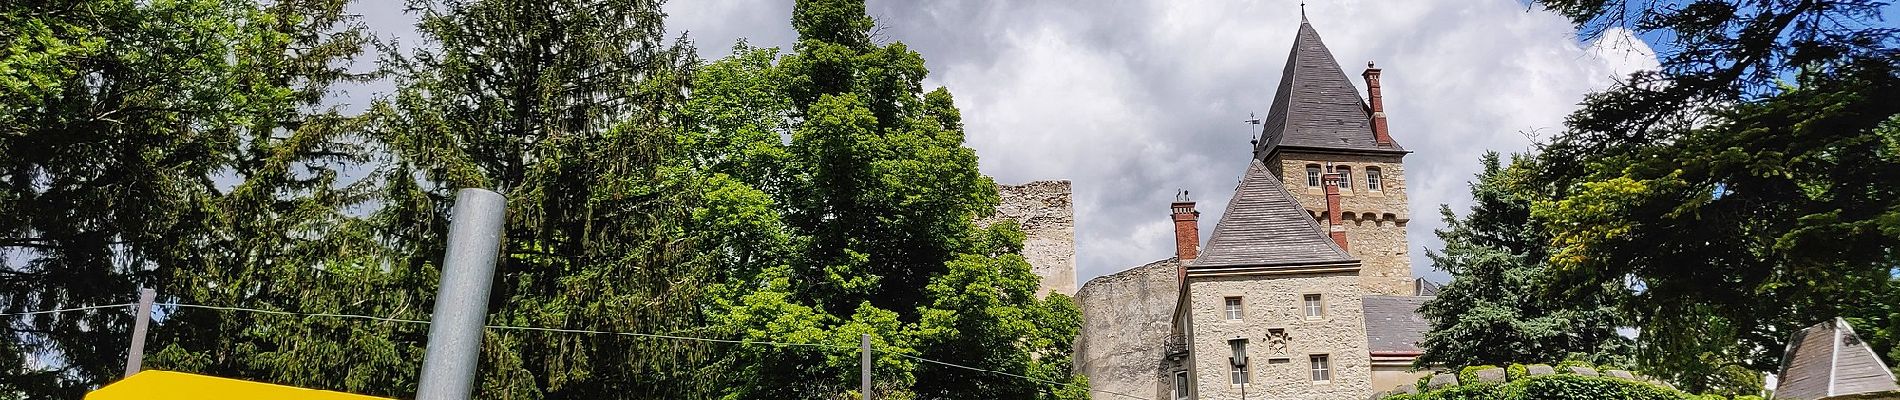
point(1345, 177)
point(1233, 308)
point(1315, 308)
point(1373, 179)
point(1322, 372)
point(1312, 175)
point(1180, 385)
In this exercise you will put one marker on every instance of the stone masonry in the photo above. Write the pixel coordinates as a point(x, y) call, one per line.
point(1047, 216)
point(1375, 219)
point(1276, 303)
point(1125, 325)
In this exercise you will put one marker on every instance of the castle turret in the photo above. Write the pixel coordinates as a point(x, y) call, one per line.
point(1318, 124)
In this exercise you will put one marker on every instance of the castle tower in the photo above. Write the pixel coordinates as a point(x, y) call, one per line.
point(1319, 124)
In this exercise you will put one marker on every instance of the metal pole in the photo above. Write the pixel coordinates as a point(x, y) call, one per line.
point(141, 319)
point(461, 304)
point(864, 364)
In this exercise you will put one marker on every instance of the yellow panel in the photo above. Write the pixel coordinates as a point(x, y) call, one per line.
point(167, 385)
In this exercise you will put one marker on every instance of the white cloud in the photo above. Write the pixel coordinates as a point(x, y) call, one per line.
point(1134, 100)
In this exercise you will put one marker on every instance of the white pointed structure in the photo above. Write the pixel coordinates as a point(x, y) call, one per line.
point(1827, 360)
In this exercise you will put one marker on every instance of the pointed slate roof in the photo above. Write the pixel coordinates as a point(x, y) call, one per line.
point(1265, 227)
point(1316, 106)
point(1827, 360)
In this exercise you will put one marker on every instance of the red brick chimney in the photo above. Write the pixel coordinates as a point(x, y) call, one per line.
point(1379, 133)
point(1187, 229)
point(1333, 228)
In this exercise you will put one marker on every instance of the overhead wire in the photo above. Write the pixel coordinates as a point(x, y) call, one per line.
point(62, 310)
point(585, 331)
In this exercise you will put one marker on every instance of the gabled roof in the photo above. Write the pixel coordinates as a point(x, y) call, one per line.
point(1265, 227)
point(1316, 106)
point(1827, 360)
point(1393, 323)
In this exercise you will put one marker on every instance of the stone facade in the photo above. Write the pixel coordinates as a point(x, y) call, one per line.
point(1169, 332)
point(1125, 327)
point(1274, 304)
point(1375, 219)
point(1395, 373)
point(1047, 215)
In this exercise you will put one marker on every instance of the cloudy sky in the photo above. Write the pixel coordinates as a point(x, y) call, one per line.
point(1132, 100)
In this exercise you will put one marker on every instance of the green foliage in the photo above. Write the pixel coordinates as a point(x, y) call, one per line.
point(878, 199)
point(567, 108)
point(1739, 191)
point(1559, 387)
point(1516, 371)
point(1741, 230)
point(114, 116)
point(1473, 322)
point(1470, 373)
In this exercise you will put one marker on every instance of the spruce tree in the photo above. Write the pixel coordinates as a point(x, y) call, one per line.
point(1500, 306)
point(567, 108)
point(114, 118)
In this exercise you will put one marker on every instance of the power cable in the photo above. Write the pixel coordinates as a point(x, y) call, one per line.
point(644, 335)
point(1015, 375)
point(507, 327)
point(48, 311)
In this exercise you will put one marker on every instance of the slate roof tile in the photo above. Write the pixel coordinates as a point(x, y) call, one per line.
point(1265, 226)
point(1393, 323)
point(1316, 105)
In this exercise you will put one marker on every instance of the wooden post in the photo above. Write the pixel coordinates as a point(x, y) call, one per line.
point(141, 320)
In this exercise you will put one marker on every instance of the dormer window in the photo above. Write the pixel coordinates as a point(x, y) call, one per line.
point(1312, 175)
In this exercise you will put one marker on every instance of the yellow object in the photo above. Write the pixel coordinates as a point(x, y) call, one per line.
point(167, 385)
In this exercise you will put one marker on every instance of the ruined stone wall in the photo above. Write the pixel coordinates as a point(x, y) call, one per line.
point(1375, 219)
point(1047, 215)
point(1276, 302)
point(1126, 318)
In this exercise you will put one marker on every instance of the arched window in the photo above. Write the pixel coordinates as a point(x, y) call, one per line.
point(1373, 179)
point(1312, 175)
point(1345, 177)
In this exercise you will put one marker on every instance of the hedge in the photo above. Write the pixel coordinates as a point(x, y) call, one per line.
point(1560, 387)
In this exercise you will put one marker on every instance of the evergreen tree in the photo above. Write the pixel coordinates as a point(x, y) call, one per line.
point(566, 107)
point(114, 118)
point(1743, 190)
point(1499, 307)
point(286, 240)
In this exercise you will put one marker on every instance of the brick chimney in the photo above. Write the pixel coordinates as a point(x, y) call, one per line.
point(1375, 96)
point(1187, 228)
point(1333, 228)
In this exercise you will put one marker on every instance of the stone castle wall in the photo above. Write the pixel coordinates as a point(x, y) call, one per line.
point(1126, 318)
point(1047, 215)
point(1276, 302)
point(1375, 219)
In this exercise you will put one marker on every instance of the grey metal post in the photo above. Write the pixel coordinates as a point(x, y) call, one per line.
point(461, 304)
point(141, 320)
point(864, 363)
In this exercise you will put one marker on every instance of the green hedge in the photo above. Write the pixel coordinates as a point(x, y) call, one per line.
point(1558, 387)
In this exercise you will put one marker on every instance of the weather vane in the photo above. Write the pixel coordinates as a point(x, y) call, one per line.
point(1252, 138)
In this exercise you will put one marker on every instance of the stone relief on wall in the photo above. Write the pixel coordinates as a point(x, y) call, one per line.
point(1277, 342)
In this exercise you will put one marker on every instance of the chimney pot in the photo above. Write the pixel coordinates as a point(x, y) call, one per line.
point(1334, 228)
point(1376, 99)
point(1187, 231)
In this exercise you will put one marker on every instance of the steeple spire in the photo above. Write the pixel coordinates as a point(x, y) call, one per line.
point(1316, 106)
